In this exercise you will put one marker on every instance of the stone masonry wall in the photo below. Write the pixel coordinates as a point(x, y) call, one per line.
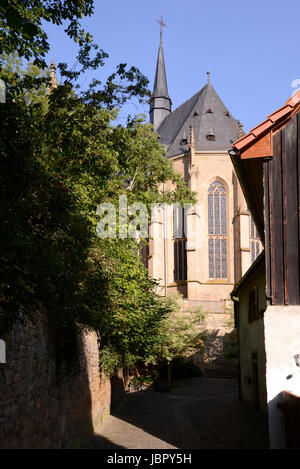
point(39, 411)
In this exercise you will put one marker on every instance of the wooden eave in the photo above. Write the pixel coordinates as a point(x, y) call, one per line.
point(258, 142)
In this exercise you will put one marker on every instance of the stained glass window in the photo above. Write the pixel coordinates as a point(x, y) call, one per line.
point(224, 258)
point(211, 255)
point(216, 208)
point(210, 214)
point(217, 231)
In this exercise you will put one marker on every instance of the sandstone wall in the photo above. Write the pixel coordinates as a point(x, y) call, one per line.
point(38, 410)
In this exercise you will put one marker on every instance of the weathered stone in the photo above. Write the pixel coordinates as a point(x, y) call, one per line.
point(37, 411)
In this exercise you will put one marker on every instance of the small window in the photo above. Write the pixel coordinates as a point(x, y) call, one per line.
point(227, 114)
point(178, 221)
point(195, 114)
point(183, 141)
point(180, 256)
point(211, 136)
point(180, 260)
point(253, 312)
point(209, 111)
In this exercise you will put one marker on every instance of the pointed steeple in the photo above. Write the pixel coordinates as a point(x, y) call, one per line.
point(160, 104)
point(160, 88)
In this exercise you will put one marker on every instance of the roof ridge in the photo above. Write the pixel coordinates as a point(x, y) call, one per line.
point(203, 93)
point(196, 110)
point(190, 99)
point(182, 105)
point(204, 88)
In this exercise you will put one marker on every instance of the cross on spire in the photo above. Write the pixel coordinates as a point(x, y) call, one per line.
point(53, 83)
point(162, 24)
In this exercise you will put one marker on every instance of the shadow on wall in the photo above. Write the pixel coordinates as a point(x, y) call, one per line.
point(118, 385)
point(40, 410)
point(284, 421)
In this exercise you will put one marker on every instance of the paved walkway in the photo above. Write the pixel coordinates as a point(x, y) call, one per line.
point(197, 413)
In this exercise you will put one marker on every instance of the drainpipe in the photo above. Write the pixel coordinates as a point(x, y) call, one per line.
point(165, 246)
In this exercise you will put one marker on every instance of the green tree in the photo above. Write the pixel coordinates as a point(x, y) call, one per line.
point(21, 25)
point(177, 334)
point(61, 157)
point(22, 33)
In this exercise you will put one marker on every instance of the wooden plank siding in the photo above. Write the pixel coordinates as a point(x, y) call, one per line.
point(291, 218)
point(266, 183)
point(281, 201)
point(276, 219)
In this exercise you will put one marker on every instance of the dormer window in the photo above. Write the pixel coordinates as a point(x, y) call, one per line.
point(209, 111)
point(195, 114)
point(227, 114)
point(210, 136)
point(184, 140)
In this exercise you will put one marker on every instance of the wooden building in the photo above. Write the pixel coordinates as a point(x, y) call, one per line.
point(267, 163)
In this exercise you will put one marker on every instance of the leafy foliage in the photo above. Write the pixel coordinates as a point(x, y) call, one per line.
point(22, 33)
point(230, 345)
point(60, 157)
point(21, 25)
point(178, 333)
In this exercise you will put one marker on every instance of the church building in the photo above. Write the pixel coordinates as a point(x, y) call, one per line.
point(203, 265)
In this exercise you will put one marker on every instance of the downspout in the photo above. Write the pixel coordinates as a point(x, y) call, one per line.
point(165, 246)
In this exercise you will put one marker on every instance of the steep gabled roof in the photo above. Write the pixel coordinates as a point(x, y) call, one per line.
point(206, 111)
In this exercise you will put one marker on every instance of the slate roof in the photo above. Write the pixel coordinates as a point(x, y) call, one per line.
point(176, 126)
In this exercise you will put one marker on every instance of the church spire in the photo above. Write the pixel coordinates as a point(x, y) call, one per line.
point(160, 105)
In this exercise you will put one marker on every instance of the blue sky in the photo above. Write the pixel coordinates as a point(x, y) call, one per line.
point(252, 49)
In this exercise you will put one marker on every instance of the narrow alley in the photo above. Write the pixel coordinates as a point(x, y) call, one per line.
point(198, 413)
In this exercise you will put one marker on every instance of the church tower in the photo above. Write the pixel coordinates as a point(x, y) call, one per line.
point(203, 262)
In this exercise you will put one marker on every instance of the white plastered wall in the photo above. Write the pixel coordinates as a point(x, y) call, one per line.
point(282, 342)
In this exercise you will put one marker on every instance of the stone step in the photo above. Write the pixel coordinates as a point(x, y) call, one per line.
point(214, 372)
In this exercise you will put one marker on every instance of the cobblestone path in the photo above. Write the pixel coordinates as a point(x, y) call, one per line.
point(197, 413)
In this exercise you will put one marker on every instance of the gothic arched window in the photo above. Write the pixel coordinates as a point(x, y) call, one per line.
point(217, 231)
